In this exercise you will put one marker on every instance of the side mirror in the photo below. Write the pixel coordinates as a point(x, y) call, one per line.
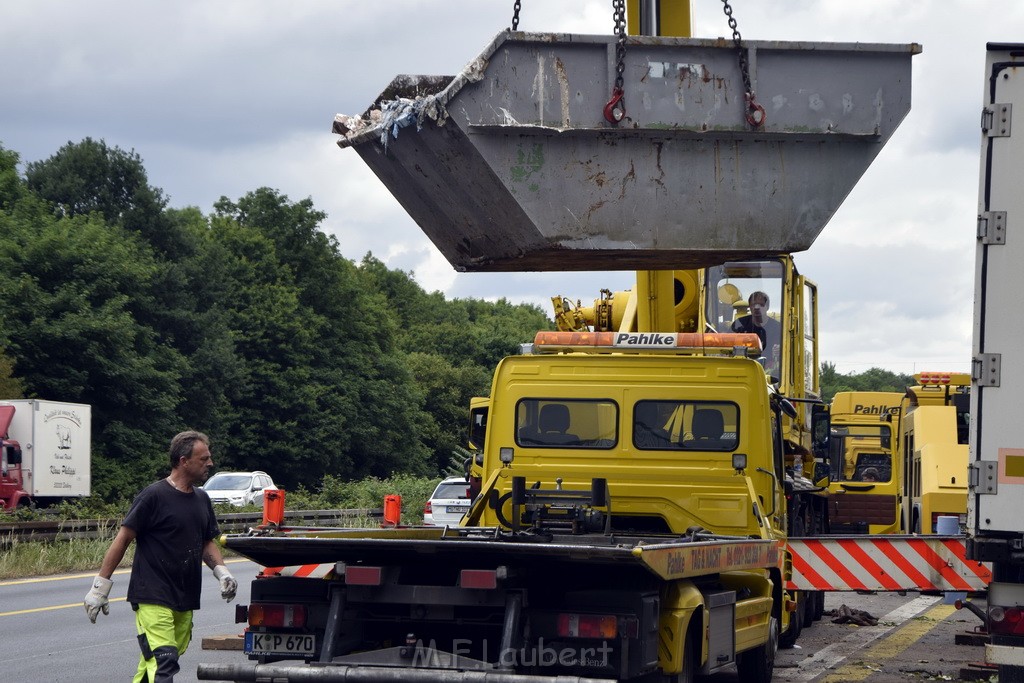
point(788, 408)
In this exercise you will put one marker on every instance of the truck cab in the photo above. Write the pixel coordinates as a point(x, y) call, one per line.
point(12, 490)
point(860, 438)
point(683, 440)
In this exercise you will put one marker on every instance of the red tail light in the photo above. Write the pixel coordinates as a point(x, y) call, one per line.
point(587, 626)
point(484, 579)
point(1006, 620)
point(428, 509)
point(281, 616)
point(357, 575)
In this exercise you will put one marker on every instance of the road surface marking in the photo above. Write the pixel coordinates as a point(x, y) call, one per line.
point(891, 647)
point(65, 577)
point(827, 657)
point(47, 609)
point(62, 577)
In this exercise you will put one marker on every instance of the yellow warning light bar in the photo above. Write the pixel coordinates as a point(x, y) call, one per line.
point(956, 379)
point(736, 343)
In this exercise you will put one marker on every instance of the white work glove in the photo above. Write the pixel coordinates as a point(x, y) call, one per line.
point(228, 585)
point(97, 598)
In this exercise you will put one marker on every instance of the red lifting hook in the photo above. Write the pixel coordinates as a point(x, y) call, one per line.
point(755, 115)
point(615, 110)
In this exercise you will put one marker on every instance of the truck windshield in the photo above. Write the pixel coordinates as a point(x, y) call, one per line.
point(566, 423)
point(861, 453)
point(746, 296)
point(686, 425)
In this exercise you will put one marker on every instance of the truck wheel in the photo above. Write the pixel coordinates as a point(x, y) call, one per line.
point(809, 602)
point(819, 605)
point(796, 625)
point(756, 666)
point(689, 672)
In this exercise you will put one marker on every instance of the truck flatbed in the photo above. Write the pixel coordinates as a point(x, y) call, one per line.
point(668, 557)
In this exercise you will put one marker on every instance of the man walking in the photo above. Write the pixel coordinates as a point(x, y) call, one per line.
point(174, 527)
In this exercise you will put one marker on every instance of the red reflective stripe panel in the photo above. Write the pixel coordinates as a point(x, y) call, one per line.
point(959, 549)
point(940, 564)
point(846, 577)
point(905, 564)
point(859, 554)
point(800, 565)
point(874, 563)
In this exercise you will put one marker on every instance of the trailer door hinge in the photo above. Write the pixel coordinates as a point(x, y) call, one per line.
point(985, 369)
point(995, 120)
point(982, 477)
point(992, 227)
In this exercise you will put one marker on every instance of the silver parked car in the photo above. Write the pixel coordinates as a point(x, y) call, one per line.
point(239, 488)
point(448, 503)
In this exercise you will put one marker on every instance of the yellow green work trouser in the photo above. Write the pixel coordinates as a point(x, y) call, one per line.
point(164, 634)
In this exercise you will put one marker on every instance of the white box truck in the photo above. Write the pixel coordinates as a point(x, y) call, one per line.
point(995, 509)
point(45, 453)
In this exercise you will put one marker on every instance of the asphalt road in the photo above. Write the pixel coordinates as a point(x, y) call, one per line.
point(47, 636)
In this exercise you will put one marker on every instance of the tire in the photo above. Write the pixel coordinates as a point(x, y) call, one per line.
point(819, 605)
point(796, 626)
point(689, 672)
point(757, 665)
point(809, 602)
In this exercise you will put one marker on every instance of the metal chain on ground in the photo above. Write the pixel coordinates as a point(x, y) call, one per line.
point(515, 14)
point(755, 112)
point(615, 110)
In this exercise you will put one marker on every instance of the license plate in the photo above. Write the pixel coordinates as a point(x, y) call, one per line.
point(456, 509)
point(279, 643)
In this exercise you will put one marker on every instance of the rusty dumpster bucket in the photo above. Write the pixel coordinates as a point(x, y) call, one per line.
point(511, 165)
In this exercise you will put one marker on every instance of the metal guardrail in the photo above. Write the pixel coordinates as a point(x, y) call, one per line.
point(231, 522)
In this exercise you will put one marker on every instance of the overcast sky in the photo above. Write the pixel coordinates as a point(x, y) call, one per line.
point(220, 98)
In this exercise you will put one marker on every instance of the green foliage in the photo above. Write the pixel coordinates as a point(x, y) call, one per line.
point(247, 324)
point(457, 462)
point(10, 386)
point(11, 187)
point(89, 177)
point(92, 507)
point(875, 379)
point(370, 492)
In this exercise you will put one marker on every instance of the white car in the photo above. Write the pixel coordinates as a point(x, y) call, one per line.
point(448, 503)
point(239, 488)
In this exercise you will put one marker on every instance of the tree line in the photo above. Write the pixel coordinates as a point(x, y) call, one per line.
point(246, 323)
point(874, 379)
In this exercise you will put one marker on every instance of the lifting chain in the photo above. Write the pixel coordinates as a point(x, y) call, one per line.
point(755, 112)
point(615, 110)
point(515, 14)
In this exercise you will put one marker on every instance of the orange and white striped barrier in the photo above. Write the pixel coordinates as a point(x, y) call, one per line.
point(890, 563)
point(310, 571)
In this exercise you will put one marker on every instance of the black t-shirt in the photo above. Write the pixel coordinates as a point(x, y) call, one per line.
point(171, 529)
point(771, 329)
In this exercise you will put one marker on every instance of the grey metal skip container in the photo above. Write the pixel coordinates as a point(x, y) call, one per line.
point(511, 165)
